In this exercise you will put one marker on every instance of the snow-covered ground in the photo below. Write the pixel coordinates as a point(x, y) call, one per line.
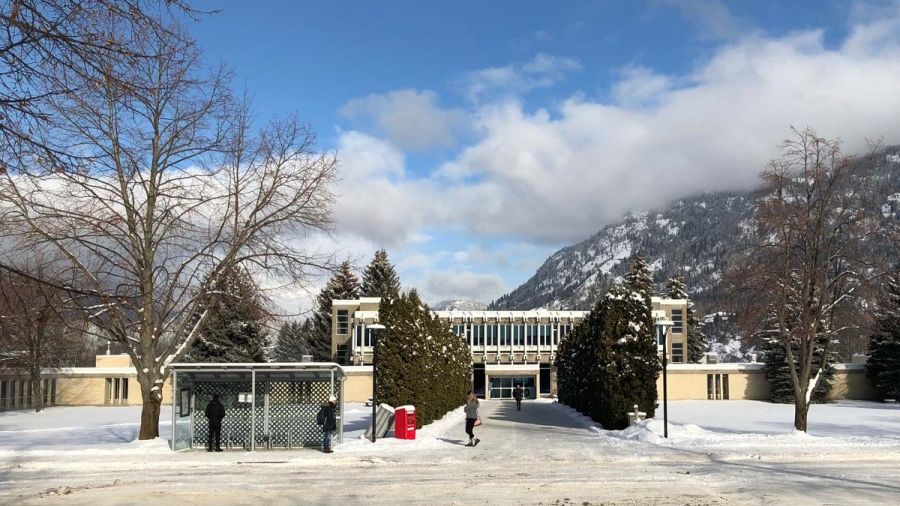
point(718, 452)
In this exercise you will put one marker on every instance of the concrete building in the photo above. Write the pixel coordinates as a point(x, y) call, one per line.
point(111, 382)
point(507, 347)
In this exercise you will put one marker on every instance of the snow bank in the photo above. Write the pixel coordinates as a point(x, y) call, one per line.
point(429, 436)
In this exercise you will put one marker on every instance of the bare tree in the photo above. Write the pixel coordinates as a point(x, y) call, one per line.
point(34, 333)
point(172, 187)
point(43, 40)
point(809, 261)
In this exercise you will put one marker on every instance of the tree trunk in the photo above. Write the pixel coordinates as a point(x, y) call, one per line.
point(149, 414)
point(801, 412)
point(37, 393)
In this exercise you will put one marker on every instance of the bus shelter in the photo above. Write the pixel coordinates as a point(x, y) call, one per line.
point(267, 405)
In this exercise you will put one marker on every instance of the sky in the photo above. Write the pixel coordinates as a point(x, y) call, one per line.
point(477, 138)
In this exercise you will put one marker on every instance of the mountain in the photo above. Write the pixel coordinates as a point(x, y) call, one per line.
point(458, 305)
point(696, 237)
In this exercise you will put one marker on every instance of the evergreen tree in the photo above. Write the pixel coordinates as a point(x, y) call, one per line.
point(420, 360)
point(609, 362)
point(640, 278)
point(342, 285)
point(883, 366)
point(293, 341)
point(778, 370)
point(235, 328)
point(697, 343)
point(380, 279)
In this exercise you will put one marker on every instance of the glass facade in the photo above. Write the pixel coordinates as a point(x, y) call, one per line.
point(512, 335)
point(502, 386)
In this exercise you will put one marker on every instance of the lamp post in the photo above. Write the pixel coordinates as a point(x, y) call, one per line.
point(375, 328)
point(662, 334)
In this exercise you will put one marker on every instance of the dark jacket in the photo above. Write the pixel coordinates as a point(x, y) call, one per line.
point(326, 417)
point(215, 411)
point(518, 393)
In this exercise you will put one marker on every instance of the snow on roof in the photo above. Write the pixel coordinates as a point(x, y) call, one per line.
point(364, 315)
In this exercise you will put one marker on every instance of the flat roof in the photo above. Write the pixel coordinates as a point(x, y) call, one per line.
point(261, 367)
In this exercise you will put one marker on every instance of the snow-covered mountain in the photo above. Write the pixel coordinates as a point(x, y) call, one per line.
point(459, 305)
point(697, 237)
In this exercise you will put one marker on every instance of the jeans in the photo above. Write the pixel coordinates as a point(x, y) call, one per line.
point(519, 404)
point(470, 424)
point(326, 440)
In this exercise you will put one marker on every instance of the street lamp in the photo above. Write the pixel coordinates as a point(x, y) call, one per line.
point(662, 335)
point(375, 328)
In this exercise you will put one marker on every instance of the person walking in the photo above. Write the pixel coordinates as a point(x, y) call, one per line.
point(326, 418)
point(215, 412)
point(472, 418)
point(518, 393)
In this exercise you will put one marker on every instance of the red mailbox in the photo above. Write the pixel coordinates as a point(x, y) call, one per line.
point(405, 422)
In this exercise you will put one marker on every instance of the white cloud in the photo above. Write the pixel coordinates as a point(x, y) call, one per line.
point(639, 86)
point(561, 176)
point(409, 118)
point(464, 285)
point(556, 176)
point(542, 71)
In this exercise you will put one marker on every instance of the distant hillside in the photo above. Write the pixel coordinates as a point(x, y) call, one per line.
point(459, 305)
point(697, 237)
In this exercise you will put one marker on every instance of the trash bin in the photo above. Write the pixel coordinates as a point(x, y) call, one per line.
point(405, 422)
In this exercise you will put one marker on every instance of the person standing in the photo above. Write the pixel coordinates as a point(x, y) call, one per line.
point(471, 410)
point(518, 393)
point(326, 418)
point(215, 412)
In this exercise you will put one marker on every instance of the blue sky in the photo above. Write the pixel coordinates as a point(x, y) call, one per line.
point(476, 138)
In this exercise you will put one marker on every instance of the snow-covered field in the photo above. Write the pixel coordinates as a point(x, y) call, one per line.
point(718, 452)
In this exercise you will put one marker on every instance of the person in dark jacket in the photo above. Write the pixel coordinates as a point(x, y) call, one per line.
point(327, 419)
point(518, 393)
point(215, 412)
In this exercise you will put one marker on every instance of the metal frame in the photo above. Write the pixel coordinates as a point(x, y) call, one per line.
point(335, 372)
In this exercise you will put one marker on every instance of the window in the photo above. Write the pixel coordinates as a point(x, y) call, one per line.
point(343, 322)
point(3, 393)
point(678, 320)
point(678, 353)
point(116, 391)
point(717, 386)
point(544, 335)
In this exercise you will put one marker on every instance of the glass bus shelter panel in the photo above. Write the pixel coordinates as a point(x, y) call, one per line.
point(182, 406)
point(235, 396)
point(286, 411)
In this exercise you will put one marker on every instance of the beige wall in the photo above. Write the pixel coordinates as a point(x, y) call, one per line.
point(358, 385)
point(850, 382)
point(122, 360)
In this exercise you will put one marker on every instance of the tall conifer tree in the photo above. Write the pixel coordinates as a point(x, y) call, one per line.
point(293, 341)
point(380, 279)
point(883, 366)
point(420, 360)
point(235, 328)
point(342, 285)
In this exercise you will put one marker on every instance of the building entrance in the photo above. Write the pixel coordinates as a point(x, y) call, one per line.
point(502, 387)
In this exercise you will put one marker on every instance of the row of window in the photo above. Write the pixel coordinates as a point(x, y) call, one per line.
point(479, 334)
point(512, 334)
point(19, 393)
